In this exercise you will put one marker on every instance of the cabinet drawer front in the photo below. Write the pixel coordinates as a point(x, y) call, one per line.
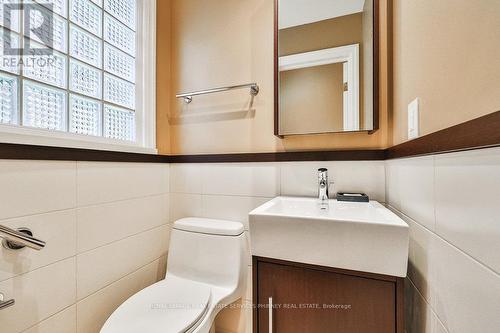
point(314, 301)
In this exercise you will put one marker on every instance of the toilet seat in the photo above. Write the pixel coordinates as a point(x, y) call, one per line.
point(173, 305)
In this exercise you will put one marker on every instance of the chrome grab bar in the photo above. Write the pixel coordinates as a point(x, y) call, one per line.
point(20, 238)
point(6, 304)
point(188, 97)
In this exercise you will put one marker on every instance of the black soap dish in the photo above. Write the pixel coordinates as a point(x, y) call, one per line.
point(352, 197)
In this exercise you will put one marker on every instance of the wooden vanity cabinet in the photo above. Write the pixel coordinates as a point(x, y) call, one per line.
point(314, 299)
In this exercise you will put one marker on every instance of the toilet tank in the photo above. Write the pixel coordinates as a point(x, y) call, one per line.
point(208, 251)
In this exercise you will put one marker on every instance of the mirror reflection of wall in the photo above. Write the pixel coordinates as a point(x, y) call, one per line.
point(325, 64)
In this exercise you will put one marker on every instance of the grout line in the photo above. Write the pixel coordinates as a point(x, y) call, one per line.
point(482, 264)
point(431, 308)
point(86, 251)
point(39, 268)
point(76, 207)
point(121, 278)
point(434, 192)
point(122, 200)
point(49, 317)
point(228, 195)
point(77, 177)
point(9, 219)
point(77, 301)
point(164, 224)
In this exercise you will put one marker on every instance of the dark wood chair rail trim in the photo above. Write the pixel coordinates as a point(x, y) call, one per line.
point(478, 133)
point(32, 152)
point(337, 155)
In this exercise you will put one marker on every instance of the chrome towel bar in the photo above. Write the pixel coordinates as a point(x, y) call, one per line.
point(20, 238)
point(188, 97)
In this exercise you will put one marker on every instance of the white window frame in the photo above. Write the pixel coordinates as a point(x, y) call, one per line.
point(145, 102)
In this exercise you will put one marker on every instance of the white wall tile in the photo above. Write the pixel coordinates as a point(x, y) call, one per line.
point(186, 178)
point(393, 170)
point(118, 259)
point(420, 254)
point(245, 179)
point(102, 224)
point(94, 310)
point(62, 322)
point(232, 208)
point(106, 182)
point(419, 316)
point(119, 199)
point(301, 178)
point(467, 293)
point(468, 203)
point(417, 190)
point(367, 177)
point(185, 205)
point(416, 186)
point(57, 229)
point(32, 187)
point(39, 294)
point(453, 257)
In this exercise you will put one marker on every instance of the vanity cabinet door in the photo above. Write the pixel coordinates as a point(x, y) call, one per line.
point(315, 301)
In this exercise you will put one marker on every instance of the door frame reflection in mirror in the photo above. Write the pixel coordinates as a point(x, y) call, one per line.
point(349, 55)
point(376, 71)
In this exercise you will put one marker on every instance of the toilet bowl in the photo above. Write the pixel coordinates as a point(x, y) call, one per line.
point(207, 264)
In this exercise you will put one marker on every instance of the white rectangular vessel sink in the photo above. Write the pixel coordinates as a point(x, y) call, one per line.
point(364, 237)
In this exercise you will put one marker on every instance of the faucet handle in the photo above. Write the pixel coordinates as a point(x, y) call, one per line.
point(322, 174)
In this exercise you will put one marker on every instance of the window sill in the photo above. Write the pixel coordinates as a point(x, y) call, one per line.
point(39, 137)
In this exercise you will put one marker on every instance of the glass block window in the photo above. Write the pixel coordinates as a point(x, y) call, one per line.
point(85, 79)
point(77, 74)
point(9, 63)
point(8, 99)
point(87, 15)
point(117, 123)
point(14, 21)
point(60, 7)
point(44, 107)
point(85, 116)
point(56, 36)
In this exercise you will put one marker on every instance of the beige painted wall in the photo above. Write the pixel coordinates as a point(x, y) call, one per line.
point(297, 102)
point(311, 99)
point(221, 42)
point(447, 53)
point(163, 76)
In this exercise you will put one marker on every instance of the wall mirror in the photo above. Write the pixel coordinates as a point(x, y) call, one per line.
point(326, 66)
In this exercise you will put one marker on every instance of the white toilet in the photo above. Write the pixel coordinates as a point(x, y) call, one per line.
point(207, 264)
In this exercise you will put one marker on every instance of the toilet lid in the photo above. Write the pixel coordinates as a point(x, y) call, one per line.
point(173, 305)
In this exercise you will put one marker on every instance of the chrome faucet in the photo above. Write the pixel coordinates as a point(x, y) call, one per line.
point(323, 184)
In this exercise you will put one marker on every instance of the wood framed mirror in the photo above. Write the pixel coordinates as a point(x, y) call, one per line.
point(326, 66)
